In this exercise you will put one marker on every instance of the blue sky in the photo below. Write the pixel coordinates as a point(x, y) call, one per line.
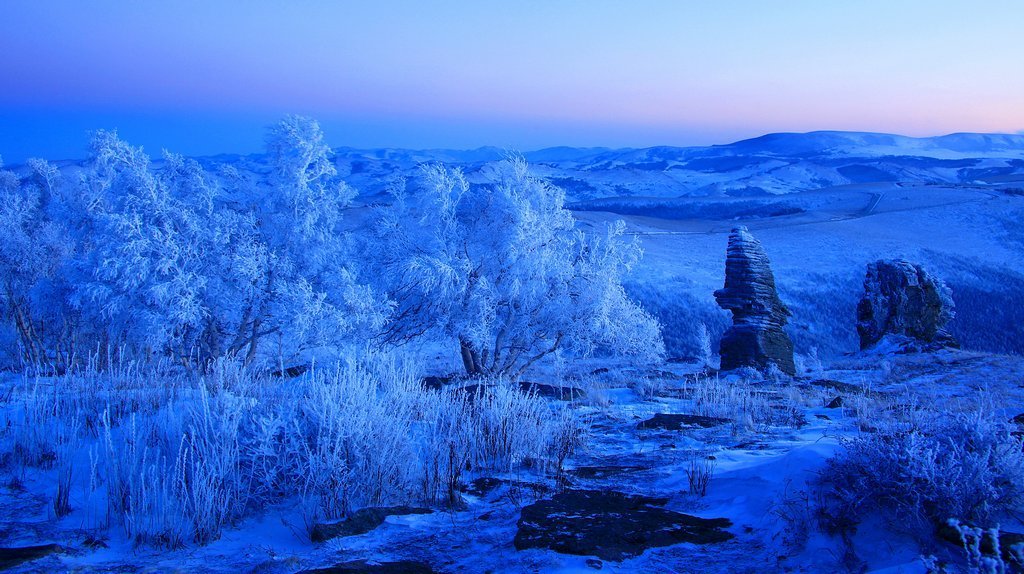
point(206, 76)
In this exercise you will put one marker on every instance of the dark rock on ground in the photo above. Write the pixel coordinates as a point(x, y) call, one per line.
point(551, 391)
point(291, 372)
point(484, 486)
point(672, 421)
point(660, 374)
point(360, 522)
point(435, 383)
point(595, 563)
point(611, 525)
point(901, 298)
point(540, 389)
point(756, 338)
point(604, 471)
point(11, 557)
point(364, 567)
point(835, 403)
point(751, 445)
point(845, 388)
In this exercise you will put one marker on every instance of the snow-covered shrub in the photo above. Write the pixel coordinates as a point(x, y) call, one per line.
point(647, 386)
point(502, 271)
point(984, 552)
point(446, 446)
point(699, 472)
point(705, 352)
point(810, 364)
point(212, 485)
point(749, 406)
point(511, 427)
point(142, 485)
point(173, 458)
point(496, 428)
point(928, 466)
point(353, 439)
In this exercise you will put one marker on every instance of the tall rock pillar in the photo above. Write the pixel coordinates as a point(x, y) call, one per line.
point(756, 338)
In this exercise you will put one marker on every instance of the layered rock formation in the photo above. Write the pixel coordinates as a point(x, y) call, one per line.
point(902, 299)
point(756, 338)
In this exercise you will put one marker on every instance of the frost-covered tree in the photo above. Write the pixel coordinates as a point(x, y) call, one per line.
point(33, 251)
point(176, 264)
point(150, 244)
point(290, 262)
point(502, 270)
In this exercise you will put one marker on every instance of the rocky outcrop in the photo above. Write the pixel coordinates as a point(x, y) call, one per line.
point(611, 525)
point(674, 422)
point(902, 299)
point(11, 557)
point(756, 338)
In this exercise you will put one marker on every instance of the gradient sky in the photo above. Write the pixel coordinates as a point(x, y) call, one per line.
point(201, 77)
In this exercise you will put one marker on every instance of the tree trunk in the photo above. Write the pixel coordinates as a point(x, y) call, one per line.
point(470, 358)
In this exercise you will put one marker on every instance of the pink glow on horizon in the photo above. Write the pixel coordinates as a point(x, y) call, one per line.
point(666, 72)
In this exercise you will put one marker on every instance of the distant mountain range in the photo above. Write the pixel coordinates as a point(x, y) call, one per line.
point(770, 164)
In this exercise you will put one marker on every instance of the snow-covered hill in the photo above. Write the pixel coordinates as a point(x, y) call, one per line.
point(770, 164)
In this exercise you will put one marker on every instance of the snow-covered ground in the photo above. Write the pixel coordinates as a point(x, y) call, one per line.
point(824, 205)
point(766, 458)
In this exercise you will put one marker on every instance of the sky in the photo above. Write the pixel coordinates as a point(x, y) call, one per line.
point(202, 77)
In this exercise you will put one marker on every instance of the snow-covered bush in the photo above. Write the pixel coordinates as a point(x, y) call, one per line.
point(706, 354)
point(749, 406)
point(501, 271)
point(353, 443)
point(928, 466)
point(984, 552)
point(173, 459)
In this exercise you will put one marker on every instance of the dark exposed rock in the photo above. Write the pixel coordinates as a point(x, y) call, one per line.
point(291, 372)
point(551, 391)
point(11, 557)
point(611, 525)
point(364, 567)
point(901, 298)
point(595, 563)
point(435, 383)
point(756, 337)
point(840, 386)
point(360, 522)
point(835, 403)
point(672, 421)
point(605, 471)
point(483, 486)
point(540, 389)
